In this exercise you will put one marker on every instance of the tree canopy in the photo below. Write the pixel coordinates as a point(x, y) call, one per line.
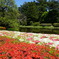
point(34, 11)
point(30, 10)
point(8, 13)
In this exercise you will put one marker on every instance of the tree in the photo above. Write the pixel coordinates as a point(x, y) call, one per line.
point(22, 20)
point(40, 11)
point(50, 17)
point(43, 17)
point(8, 12)
point(30, 10)
point(53, 5)
point(42, 7)
point(8, 8)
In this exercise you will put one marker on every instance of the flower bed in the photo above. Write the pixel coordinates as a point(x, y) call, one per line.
point(37, 38)
point(13, 49)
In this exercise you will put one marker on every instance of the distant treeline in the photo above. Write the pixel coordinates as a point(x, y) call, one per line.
point(30, 13)
point(39, 11)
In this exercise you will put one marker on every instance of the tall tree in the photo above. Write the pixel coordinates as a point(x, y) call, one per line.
point(8, 13)
point(42, 5)
point(8, 7)
point(30, 10)
point(53, 5)
point(50, 17)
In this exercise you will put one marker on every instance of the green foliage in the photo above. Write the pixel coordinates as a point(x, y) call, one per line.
point(13, 25)
point(53, 5)
point(9, 14)
point(22, 20)
point(30, 10)
point(56, 24)
point(40, 11)
point(42, 5)
point(8, 8)
point(50, 17)
point(43, 16)
point(9, 23)
point(35, 24)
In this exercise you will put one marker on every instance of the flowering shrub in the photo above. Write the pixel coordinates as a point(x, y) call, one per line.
point(12, 49)
point(3, 28)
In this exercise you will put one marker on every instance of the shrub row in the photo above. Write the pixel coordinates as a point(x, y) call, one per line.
point(56, 24)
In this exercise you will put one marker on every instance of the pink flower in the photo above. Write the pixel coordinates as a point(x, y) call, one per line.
point(30, 34)
point(29, 38)
point(42, 37)
point(49, 43)
point(1, 34)
point(52, 37)
point(57, 47)
point(55, 39)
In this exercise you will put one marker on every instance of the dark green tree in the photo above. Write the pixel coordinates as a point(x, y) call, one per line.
point(43, 16)
point(31, 11)
point(40, 11)
point(42, 4)
point(53, 5)
point(42, 7)
point(50, 17)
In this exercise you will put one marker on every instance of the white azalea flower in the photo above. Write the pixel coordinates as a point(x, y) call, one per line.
point(56, 43)
point(21, 40)
point(31, 42)
point(46, 40)
point(36, 38)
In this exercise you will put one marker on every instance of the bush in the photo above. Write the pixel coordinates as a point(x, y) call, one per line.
point(35, 24)
point(2, 28)
point(13, 25)
point(9, 23)
point(12, 29)
point(56, 24)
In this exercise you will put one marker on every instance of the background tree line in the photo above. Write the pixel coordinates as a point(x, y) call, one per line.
point(30, 13)
point(40, 11)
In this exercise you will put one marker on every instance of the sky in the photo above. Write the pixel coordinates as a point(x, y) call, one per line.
point(21, 2)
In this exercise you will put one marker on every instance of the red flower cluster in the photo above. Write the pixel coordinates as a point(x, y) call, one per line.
point(10, 49)
point(3, 28)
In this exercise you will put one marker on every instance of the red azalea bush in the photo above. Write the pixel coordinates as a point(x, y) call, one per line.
point(12, 49)
point(3, 28)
